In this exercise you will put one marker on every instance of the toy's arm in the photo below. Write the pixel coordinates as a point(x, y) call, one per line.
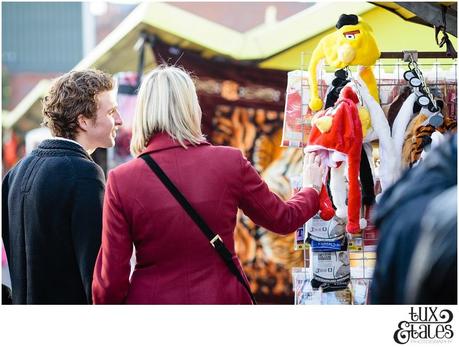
point(315, 103)
point(387, 169)
point(404, 116)
point(367, 76)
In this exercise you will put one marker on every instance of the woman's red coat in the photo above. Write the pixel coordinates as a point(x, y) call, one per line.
point(175, 264)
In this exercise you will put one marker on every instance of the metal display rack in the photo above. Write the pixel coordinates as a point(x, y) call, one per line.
point(362, 247)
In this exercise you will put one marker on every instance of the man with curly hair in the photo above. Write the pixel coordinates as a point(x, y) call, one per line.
point(52, 199)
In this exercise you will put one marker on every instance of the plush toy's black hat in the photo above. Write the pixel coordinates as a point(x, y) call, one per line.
point(347, 19)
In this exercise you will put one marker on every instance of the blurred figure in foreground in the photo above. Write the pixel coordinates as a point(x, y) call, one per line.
point(432, 276)
point(406, 210)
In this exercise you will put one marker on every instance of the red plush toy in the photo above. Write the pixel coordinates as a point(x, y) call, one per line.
point(336, 136)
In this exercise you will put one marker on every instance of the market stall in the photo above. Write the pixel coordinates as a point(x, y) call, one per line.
point(244, 88)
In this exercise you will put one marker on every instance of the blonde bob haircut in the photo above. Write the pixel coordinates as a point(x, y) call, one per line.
point(166, 102)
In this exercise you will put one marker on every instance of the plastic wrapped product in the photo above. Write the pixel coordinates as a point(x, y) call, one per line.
point(329, 246)
point(340, 297)
point(327, 231)
point(331, 270)
point(360, 291)
point(297, 119)
point(304, 293)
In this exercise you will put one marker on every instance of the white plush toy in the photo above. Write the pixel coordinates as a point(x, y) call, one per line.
point(401, 122)
point(381, 131)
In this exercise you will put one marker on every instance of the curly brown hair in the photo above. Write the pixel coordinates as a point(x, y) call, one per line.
point(70, 95)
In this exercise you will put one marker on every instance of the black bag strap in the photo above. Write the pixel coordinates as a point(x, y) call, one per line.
point(214, 239)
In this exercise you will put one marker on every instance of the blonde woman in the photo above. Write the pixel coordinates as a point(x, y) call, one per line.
point(175, 262)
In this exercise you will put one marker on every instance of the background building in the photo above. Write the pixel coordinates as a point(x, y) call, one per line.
point(41, 40)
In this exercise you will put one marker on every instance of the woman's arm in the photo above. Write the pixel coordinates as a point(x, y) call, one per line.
point(267, 209)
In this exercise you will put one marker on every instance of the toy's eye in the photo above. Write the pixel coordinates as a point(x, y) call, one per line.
point(351, 35)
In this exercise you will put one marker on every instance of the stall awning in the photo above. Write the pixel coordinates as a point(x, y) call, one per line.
point(425, 13)
point(186, 30)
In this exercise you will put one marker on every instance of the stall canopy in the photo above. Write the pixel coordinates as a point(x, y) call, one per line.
point(426, 13)
point(276, 46)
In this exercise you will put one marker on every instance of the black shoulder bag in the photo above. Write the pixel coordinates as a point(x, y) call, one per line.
point(214, 239)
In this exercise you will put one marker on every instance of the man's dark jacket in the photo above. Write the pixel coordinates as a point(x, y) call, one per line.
point(52, 223)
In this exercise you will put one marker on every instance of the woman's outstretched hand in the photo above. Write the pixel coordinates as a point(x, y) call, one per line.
point(313, 171)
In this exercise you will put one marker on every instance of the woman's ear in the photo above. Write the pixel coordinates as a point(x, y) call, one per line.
point(83, 122)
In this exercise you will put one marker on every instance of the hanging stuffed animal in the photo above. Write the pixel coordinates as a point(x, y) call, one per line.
point(411, 133)
point(418, 135)
point(352, 44)
point(336, 136)
point(366, 173)
point(396, 104)
point(380, 130)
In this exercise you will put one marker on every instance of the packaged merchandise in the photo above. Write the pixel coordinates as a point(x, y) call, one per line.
point(327, 231)
point(297, 119)
point(331, 270)
point(340, 297)
point(305, 294)
point(360, 291)
point(328, 246)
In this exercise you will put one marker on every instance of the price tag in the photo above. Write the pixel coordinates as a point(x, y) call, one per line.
point(356, 244)
point(300, 239)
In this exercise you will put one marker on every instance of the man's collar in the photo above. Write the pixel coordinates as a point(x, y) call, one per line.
point(65, 139)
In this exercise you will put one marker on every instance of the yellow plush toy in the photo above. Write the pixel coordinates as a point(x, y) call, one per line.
point(352, 44)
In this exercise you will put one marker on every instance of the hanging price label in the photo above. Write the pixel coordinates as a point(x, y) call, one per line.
point(300, 239)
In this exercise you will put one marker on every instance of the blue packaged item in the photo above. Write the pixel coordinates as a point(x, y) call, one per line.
point(324, 246)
